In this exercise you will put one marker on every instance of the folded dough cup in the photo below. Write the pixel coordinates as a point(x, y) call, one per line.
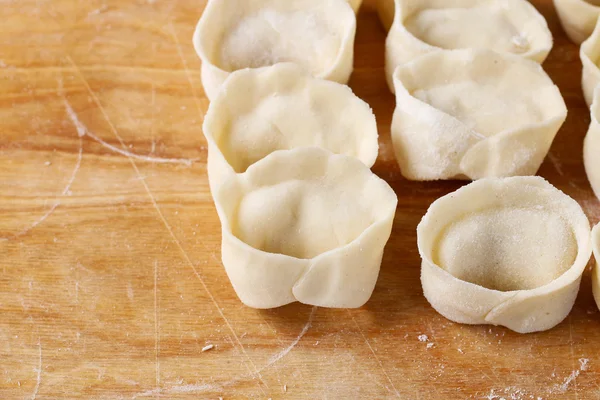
point(305, 225)
point(504, 251)
point(423, 26)
point(590, 58)
point(282, 107)
point(578, 17)
point(596, 271)
point(471, 114)
point(591, 146)
point(238, 34)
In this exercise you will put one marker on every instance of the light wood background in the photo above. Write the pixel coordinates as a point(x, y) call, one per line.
point(111, 283)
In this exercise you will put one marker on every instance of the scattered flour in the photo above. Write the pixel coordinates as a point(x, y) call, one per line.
point(423, 338)
point(562, 388)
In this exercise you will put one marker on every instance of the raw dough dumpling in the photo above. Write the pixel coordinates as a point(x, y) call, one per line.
point(305, 225)
point(238, 34)
point(591, 147)
point(578, 17)
point(470, 114)
point(423, 26)
point(596, 272)
point(504, 251)
point(590, 58)
point(281, 107)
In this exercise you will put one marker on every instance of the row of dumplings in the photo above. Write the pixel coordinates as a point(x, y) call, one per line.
point(457, 67)
point(290, 147)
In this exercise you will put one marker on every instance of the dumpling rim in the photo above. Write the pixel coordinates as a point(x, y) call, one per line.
point(428, 230)
point(219, 163)
point(596, 269)
point(570, 23)
point(549, 123)
point(591, 142)
point(216, 74)
point(377, 235)
point(539, 54)
point(294, 153)
point(589, 50)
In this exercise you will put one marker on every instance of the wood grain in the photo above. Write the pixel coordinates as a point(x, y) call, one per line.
point(111, 283)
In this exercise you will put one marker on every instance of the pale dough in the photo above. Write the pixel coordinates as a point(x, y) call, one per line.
point(238, 34)
point(596, 271)
point(590, 58)
point(451, 115)
point(282, 107)
point(591, 146)
point(578, 17)
point(305, 225)
point(504, 251)
point(423, 26)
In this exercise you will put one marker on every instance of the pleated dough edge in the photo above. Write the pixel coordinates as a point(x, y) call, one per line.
point(591, 146)
point(469, 150)
point(218, 167)
point(596, 270)
point(577, 17)
point(212, 76)
point(401, 46)
point(590, 51)
point(285, 279)
point(523, 311)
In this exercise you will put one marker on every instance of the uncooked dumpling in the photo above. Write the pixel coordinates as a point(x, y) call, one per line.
point(305, 225)
point(596, 272)
point(423, 26)
point(591, 147)
point(470, 114)
point(282, 107)
point(590, 58)
point(504, 251)
point(238, 34)
point(578, 17)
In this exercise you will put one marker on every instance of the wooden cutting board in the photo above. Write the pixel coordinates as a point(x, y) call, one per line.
point(111, 283)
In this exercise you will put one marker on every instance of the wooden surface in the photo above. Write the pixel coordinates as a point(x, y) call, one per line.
point(111, 283)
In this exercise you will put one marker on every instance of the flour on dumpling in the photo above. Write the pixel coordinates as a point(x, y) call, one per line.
point(283, 107)
point(507, 251)
point(304, 225)
point(238, 34)
point(270, 36)
point(423, 26)
point(470, 114)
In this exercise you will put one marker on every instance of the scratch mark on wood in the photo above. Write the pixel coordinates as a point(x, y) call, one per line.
point(66, 190)
point(214, 387)
point(374, 355)
point(204, 286)
point(185, 67)
point(166, 224)
point(285, 351)
point(83, 131)
point(573, 376)
point(556, 163)
point(156, 326)
point(38, 379)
